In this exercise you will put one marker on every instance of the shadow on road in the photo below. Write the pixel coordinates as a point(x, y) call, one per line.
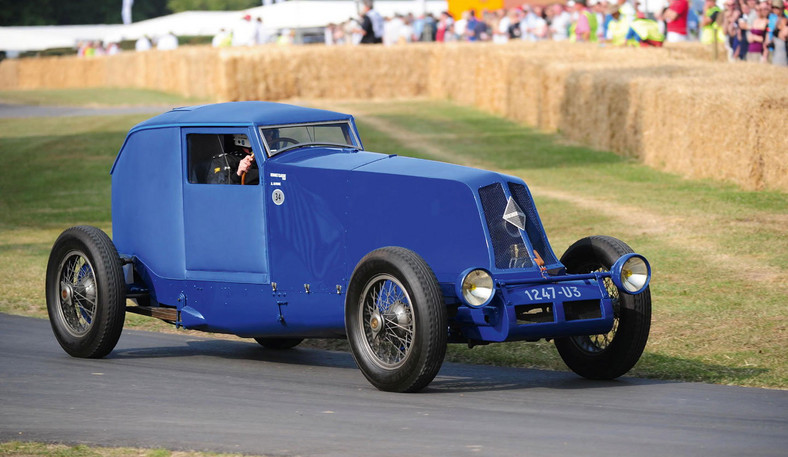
point(453, 377)
point(239, 350)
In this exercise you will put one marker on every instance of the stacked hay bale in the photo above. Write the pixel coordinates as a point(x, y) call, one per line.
point(60, 72)
point(723, 124)
point(9, 74)
point(672, 108)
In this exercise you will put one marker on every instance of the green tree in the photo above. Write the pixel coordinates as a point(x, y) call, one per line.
point(211, 5)
point(147, 9)
point(71, 12)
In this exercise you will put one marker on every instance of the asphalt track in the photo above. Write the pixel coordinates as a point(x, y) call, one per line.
point(183, 392)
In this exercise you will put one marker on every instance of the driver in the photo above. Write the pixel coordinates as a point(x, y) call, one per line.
point(229, 168)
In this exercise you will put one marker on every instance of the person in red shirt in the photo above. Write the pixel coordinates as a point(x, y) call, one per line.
point(676, 18)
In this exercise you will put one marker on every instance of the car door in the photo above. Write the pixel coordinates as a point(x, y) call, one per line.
point(224, 224)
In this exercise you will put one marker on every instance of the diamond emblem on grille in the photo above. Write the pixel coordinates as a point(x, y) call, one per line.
point(514, 215)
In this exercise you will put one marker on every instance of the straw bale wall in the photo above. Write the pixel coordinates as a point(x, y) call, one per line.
point(672, 108)
point(9, 74)
point(192, 72)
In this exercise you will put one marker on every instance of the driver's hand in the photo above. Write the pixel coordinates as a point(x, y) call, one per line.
point(245, 165)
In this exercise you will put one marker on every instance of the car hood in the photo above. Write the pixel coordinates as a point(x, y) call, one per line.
point(391, 164)
point(344, 204)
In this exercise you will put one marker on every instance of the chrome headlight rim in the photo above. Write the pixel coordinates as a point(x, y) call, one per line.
point(478, 275)
point(627, 266)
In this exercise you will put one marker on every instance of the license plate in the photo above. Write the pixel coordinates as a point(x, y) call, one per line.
point(551, 293)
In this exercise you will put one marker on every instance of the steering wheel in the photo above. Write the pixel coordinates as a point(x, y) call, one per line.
point(282, 139)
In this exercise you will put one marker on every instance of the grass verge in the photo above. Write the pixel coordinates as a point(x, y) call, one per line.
point(27, 449)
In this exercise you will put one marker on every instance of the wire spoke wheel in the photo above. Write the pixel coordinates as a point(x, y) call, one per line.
point(597, 343)
point(85, 292)
point(388, 320)
point(395, 320)
point(77, 297)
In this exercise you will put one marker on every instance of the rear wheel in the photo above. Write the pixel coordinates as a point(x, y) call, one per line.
point(279, 343)
point(396, 320)
point(609, 355)
point(85, 292)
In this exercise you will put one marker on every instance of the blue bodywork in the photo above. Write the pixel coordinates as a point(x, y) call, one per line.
point(238, 259)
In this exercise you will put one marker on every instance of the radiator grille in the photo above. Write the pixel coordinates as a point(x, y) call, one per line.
point(508, 245)
point(532, 226)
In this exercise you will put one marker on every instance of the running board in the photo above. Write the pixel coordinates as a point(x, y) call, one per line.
point(165, 314)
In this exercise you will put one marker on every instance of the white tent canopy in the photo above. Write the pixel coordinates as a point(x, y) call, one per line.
point(293, 15)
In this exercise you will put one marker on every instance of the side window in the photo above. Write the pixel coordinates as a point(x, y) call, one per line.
point(214, 158)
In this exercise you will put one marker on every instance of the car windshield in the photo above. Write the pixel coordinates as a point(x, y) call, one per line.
point(281, 138)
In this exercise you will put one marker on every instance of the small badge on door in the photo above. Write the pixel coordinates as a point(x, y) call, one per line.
point(278, 197)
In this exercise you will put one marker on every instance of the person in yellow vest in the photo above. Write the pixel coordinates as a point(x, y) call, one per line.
point(646, 32)
point(585, 25)
point(617, 27)
point(710, 25)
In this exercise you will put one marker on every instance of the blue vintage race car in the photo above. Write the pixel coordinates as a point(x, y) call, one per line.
point(271, 221)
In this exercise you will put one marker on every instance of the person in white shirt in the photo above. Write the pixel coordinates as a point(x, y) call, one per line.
point(244, 32)
point(142, 44)
point(459, 25)
point(261, 33)
point(392, 30)
point(111, 49)
point(167, 42)
point(559, 27)
point(501, 31)
point(627, 11)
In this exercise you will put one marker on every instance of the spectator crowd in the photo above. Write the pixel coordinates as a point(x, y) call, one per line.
point(750, 30)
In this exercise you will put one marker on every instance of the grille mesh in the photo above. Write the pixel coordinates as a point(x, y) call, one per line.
point(532, 226)
point(508, 246)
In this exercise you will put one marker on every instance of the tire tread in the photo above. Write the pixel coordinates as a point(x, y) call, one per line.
point(110, 315)
point(424, 279)
point(631, 337)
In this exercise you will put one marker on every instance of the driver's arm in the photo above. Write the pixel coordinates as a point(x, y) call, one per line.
point(245, 165)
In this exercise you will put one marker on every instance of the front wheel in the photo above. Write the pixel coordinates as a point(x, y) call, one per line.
point(396, 320)
point(85, 292)
point(609, 355)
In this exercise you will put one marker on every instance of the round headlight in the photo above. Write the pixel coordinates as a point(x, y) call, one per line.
point(477, 288)
point(631, 273)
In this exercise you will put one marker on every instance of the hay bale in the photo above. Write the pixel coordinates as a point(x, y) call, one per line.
point(9, 74)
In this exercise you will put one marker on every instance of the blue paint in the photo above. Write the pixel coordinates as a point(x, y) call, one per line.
point(274, 259)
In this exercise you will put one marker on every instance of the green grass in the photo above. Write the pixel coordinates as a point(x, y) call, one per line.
point(718, 253)
point(94, 97)
point(26, 449)
point(56, 176)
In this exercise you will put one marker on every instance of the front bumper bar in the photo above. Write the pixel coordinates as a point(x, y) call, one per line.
point(535, 308)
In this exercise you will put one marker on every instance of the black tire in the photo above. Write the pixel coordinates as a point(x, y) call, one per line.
point(610, 355)
point(279, 343)
point(396, 320)
point(85, 292)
